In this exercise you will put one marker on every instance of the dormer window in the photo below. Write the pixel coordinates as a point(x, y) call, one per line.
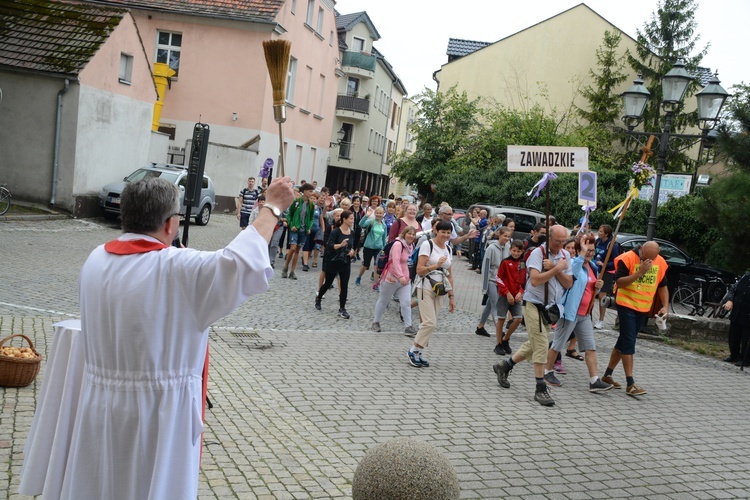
point(358, 44)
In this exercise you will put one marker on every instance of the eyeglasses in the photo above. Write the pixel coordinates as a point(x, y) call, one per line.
point(171, 215)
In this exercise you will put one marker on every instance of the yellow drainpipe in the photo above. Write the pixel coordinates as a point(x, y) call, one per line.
point(162, 71)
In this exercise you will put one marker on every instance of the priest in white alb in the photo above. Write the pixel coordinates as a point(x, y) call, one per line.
point(146, 309)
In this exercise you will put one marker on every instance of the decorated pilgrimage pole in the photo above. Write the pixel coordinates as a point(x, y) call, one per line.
point(642, 173)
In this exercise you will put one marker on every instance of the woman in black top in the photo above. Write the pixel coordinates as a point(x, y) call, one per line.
point(338, 255)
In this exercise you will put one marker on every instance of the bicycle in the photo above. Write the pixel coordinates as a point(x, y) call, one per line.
point(4, 199)
point(688, 296)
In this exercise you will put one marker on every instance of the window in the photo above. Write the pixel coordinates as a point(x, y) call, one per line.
point(290, 80)
point(320, 20)
point(330, 39)
point(322, 94)
point(352, 87)
point(126, 68)
point(358, 44)
point(310, 12)
point(309, 75)
point(294, 6)
point(345, 146)
point(168, 47)
point(394, 114)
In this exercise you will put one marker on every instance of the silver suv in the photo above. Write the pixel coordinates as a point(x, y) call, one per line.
point(109, 196)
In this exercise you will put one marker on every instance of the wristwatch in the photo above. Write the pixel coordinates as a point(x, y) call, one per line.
point(276, 211)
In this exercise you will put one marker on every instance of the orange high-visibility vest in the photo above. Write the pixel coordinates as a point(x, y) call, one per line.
point(640, 294)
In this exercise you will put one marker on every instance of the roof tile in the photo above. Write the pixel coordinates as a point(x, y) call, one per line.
point(53, 36)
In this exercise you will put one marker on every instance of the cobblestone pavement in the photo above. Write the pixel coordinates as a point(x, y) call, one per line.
point(300, 395)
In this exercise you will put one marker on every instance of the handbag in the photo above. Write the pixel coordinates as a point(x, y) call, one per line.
point(439, 288)
point(549, 314)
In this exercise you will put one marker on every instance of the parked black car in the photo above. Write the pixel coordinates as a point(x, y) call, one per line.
point(683, 267)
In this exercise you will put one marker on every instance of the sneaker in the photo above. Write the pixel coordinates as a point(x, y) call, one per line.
point(317, 303)
point(499, 350)
point(600, 386)
point(558, 367)
point(372, 276)
point(552, 380)
point(609, 380)
point(413, 359)
point(284, 273)
point(292, 276)
point(410, 330)
point(358, 281)
point(305, 267)
point(502, 369)
point(543, 398)
point(375, 327)
point(481, 331)
point(281, 255)
point(599, 325)
point(423, 362)
point(634, 390)
point(343, 313)
point(506, 346)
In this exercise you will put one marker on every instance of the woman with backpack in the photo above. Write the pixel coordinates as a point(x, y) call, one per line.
point(395, 280)
point(375, 240)
point(434, 281)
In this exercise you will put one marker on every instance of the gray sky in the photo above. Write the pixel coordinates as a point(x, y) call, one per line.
point(414, 33)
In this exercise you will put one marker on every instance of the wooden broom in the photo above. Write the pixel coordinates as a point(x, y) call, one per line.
point(277, 60)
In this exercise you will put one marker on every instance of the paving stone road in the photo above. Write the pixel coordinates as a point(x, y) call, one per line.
point(300, 395)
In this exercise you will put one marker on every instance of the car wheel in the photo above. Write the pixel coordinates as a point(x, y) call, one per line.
point(202, 218)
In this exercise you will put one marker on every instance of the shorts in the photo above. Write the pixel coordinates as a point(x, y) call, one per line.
point(297, 238)
point(581, 327)
point(609, 283)
point(516, 310)
point(244, 219)
point(309, 244)
point(631, 322)
point(369, 254)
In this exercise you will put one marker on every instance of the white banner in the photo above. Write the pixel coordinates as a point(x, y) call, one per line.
point(547, 159)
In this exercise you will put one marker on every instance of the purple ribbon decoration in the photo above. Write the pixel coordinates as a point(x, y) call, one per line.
point(587, 209)
point(541, 184)
point(265, 170)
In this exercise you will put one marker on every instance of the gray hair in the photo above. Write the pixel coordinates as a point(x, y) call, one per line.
point(445, 208)
point(146, 205)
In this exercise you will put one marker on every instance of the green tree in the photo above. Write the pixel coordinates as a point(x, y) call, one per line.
point(734, 132)
point(725, 205)
point(669, 35)
point(445, 125)
point(604, 105)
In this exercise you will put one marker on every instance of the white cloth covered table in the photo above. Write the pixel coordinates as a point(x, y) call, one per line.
point(51, 430)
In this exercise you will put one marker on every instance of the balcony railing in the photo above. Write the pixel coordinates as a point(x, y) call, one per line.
point(359, 60)
point(351, 103)
point(345, 150)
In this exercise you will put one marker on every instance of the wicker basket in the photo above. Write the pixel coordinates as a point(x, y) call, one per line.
point(18, 372)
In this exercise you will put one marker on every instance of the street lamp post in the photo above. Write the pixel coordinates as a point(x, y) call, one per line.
point(674, 84)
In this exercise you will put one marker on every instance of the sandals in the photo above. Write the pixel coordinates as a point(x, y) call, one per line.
point(571, 353)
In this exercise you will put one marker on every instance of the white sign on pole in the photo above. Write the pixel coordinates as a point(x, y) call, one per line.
point(587, 188)
point(547, 159)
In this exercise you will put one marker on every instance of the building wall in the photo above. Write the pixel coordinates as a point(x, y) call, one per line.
point(27, 134)
point(557, 52)
point(223, 71)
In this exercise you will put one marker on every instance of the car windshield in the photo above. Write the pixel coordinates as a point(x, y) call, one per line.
point(142, 173)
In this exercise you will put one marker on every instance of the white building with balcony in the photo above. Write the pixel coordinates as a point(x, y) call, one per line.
point(368, 110)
